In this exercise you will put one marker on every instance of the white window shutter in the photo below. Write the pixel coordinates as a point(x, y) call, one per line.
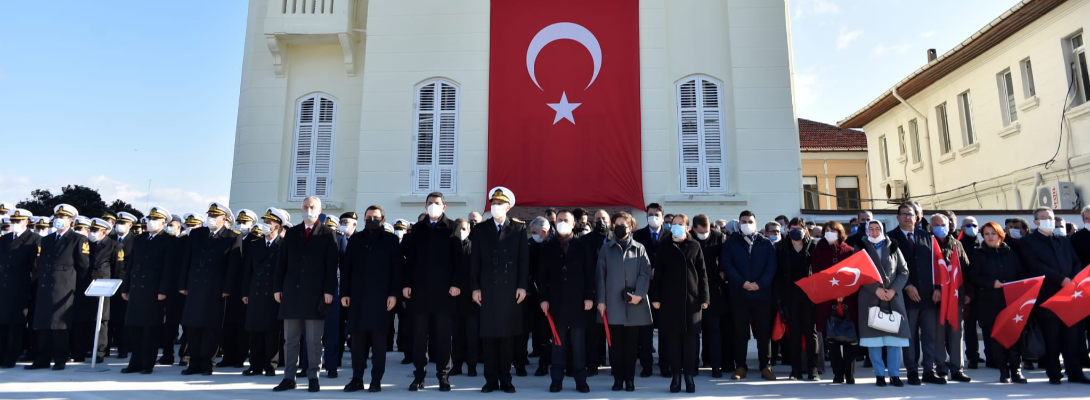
point(436, 158)
point(312, 168)
point(700, 131)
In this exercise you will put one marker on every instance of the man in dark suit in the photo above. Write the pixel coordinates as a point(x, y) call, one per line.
point(499, 276)
point(717, 342)
point(258, 269)
point(148, 279)
point(105, 263)
point(566, 286)
point(18, 264)
point(63, 253)
point(118, 306)
point(650, 236)
point(749, 262)
point(304, 285)
point(1045, 253)
point(236, 341)
point(601, 232)
point(862, 219)
point(205, 275)
point(922, 310)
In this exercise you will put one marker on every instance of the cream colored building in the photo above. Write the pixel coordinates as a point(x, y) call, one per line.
point(834, 167)
point(978, 127)
point(331, 92)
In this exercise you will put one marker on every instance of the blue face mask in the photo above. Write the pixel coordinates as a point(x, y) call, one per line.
point(774, 238)
point(796, 234)
point(969, 231)
point(677, 231)
point(668, 226)
point(855, 230)
point(940, 231)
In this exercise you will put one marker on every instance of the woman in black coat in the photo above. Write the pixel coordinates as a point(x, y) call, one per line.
point(370, 282)
point(794, 262)
point(994, 263)
point(258, 266)
point(680, 293)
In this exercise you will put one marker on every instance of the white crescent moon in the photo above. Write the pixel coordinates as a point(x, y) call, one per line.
point(1082, 282)
point(564, 30)
point(852, 270)
point(1028, 302)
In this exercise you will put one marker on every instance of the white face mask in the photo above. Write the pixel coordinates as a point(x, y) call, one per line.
point(1060, 231)
point(499, 211)
point(154, 225)
point(243, 228)
point(463, 234)
point(537, 238)
point(435, 210)
point(748, 229)
point(876, 240)
point(119, 229)
point(211, 223)
point(831, 237)
point(43, 233)
point(310, 216)
point(702, 236)
point(170, 230)
point(1046, 225)
point(400, 234)
point(95, 236)
point(18, 229)
point(342, 228)
point(654, 221)
point(563, 228)
point(1016, 233)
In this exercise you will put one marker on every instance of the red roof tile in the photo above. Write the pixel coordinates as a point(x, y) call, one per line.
point(818, 136)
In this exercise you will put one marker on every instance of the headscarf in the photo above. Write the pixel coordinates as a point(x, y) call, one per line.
point(881, 240)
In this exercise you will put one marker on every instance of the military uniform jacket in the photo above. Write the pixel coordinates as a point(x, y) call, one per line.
point(148, 276)
point(500, 266)
point(235, 311)
point(258, 268)
point(106, 260)
point(371, 273)
point(431, 266)
point(306, 272)
point(206, 272)
point(565, 280)
point(18, 270)
point(62, 256)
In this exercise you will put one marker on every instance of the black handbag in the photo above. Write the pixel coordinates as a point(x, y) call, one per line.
point(1033, 341)
point(627, 295)
point(841, 330)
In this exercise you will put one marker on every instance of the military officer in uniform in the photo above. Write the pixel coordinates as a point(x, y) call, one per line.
point(259, 264)
point(109, 217)
point(18, 263)
point(236, 345)
point(107, 259)
point(122, 233)
point(63, 253)
point(5, 226)
point(146, 283)
point(42, 225)
point(205, 274)
point(140, 227)
point(499, 276)
point(175, 302)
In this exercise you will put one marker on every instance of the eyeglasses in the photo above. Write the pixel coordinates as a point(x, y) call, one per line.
point(970, 225)
point(903, 215)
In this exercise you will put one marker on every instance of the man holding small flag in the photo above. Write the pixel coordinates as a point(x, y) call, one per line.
point(949, 257)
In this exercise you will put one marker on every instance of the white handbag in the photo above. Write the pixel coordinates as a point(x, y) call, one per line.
point(885, 321)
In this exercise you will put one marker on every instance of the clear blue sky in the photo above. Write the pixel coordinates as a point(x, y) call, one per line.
point(113, 94)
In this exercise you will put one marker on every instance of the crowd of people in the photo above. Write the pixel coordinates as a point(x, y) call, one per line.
point(564, 287)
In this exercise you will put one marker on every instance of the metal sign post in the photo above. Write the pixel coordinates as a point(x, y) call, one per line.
point(101, 288)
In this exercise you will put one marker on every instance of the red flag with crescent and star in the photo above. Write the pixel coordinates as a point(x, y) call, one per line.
point(842, 279)
point(564, 102)
point(1021, 296)
point(1072, 303)
point(949, 276)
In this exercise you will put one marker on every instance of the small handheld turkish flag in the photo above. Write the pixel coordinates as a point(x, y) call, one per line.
point(1021, 296)
point(1072, 303)
point(840, 280)
point(948, 275)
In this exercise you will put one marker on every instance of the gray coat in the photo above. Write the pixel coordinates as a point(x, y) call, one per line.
point(621, 267)
point(895, 276)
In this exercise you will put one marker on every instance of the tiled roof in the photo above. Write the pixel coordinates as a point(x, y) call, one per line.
point(815, 135)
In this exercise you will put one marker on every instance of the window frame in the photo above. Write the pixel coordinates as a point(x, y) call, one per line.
point(914, 130)
point(704, 166)
point(1008, 105)
point(313, 175)
point(1082, 75)
point(846, 195)
point(812, 196)
point(883, 155)
point(434, 169)
point(942, 122)
point(965, 108)
point(1029, 88)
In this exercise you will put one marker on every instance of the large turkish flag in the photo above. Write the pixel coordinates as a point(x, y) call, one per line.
point(564, 102)
point(841, 280)
point(1012, 320)
point(1072, 303)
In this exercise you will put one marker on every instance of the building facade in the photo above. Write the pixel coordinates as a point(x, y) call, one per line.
point(834, 167)
point(1000, 122)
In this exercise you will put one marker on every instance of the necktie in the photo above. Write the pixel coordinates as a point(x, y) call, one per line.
point(654, 237)
point(499, 227)
point(911, 241)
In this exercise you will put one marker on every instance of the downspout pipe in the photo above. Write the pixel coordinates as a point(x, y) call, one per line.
point(926, 139)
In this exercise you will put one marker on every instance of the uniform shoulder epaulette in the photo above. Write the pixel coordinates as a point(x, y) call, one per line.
point(517, 220)
point(236, 232)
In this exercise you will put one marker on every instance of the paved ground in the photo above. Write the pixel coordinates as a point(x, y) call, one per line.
point(167, 384)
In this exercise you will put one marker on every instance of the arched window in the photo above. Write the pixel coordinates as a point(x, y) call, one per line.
point(700, 136)
point(312, 156)
point(435, 138)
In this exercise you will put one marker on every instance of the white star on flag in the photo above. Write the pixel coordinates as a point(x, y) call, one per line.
point(835, 282)
point(1077, 294)
point(564, 109)
point(955, 293)
point(1018, 318)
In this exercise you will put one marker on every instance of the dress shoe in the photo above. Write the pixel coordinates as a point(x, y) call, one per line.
point(58, 367)
point(618, 385)
point(1004, 380)
point(417, 384)
point(646, 373)
point(960, 377)
point(629, 385)
point(146, 372)
point(896, 381)
point(666, 372)
point(739, 373)
point(270, 371)
point(690, 385)
point(507, 388)
point(582, 387)
point(880, 381)
point(455, 371)
point(189, 371)
point(934, 379)
point(556, 387)
point(813, 378)
point(376, 386)
point(767, 374)
point(849, 379)
point(36, 366)
point(794, 376)
point(472, 371)
point(542, 370)
point(1018, 378)
point(914, 378)
point(1055, 381)
point(444, 385)
point(1028, 366)
point(973, 365)
point(28, 357)
point(332, 374)
point(313, 386)
point(129, 370)
point(166, 360)
point(717, 372)
point(206, 373)
point(285, 384)
point(520, 371)
point(354, 385)
point(487, 388)
point(675, 384)
point(838, 378)
point(301, 374)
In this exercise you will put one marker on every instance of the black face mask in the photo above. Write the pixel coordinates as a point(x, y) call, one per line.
point(620, 231)
point(372, 224)
point(472, 224)
point(601, 226)
point(580, 227)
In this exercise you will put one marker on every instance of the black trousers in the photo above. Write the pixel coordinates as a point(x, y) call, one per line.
point(726, 339)
point(203, 343)
point(1061, 339)
point(83, 339)
point(497, 360)
point(11, 343)
point(466, 336)
point(1009, 361)
point(405, 330)
point(645, 343)
point(53, 345)
point(173, 307)
point(596, 341)
point(263, 348)
point(145, 346)
point(572, 347)
point(711, 343)
point(375, 343)
point(802, 329)
point(622, 352)
point(842, 358)
point(682, 349)
point(117, 330)
point(760, 312)
point(440, 340)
